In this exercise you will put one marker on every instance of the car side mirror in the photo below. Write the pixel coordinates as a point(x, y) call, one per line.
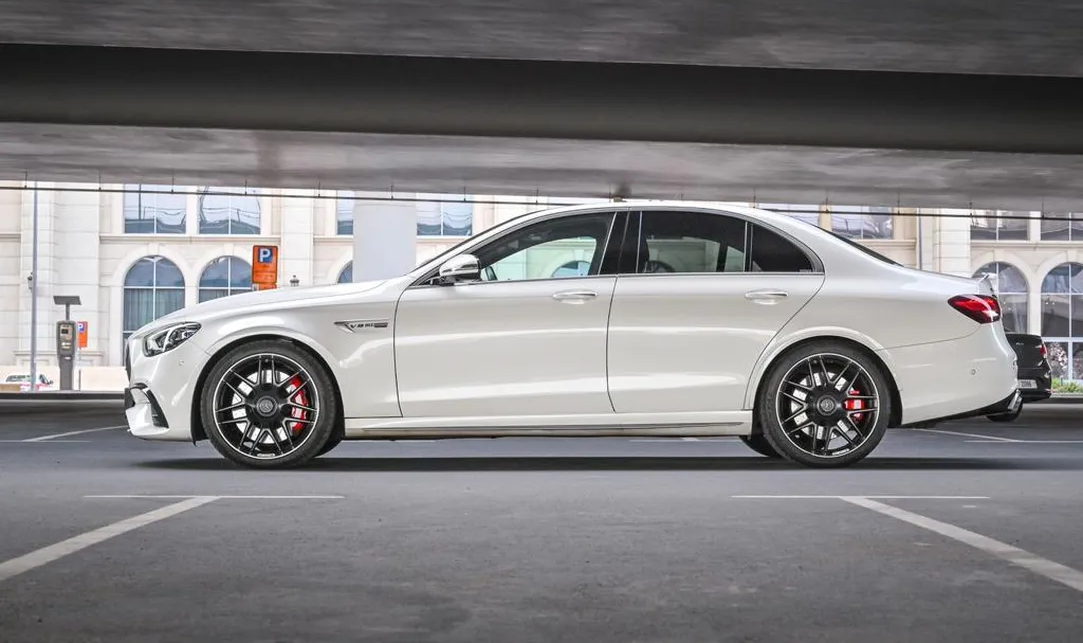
point(460, 268)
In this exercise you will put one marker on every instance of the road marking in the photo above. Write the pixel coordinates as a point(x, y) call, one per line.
point(968, 435)
point(1025, 441)
point(225, 497)
point(1044, 567)
point(43, 438)
point(49, 442)
point(679, 440)
point(45, 555)
point(880, 497)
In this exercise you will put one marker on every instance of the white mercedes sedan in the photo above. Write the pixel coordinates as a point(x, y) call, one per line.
point(619, 319)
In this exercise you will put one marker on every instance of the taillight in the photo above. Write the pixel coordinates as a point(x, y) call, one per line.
point(1045, 353)
point(984, 309)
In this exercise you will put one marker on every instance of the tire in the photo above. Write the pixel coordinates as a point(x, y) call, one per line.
point(1006, 417)
point(824, 388)
point(282, 418)
point(332, 442)
point(760, 445)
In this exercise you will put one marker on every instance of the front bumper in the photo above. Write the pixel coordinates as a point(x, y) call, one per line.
point(158, 402)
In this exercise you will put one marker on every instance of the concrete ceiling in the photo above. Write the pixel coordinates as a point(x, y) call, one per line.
point(862, 137)
point(514, 166)
point(1039, 37)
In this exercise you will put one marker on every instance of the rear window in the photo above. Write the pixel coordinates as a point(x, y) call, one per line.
point(867, 250)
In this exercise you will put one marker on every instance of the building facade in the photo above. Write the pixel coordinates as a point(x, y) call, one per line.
point(134, 253)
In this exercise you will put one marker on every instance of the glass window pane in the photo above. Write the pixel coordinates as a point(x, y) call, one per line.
point(537, 251)
point(168, 211)
point(1000, 225)
point(1057, 280)
point(216, 274)
point(1055, 316)
point(229, 211)
point(1076, 310)
point(862, 222)
point(1014, 309)
point(141, 274)
point(207, 294)
point(240, 274)
point(773, 253)
point(458, 219)
point(346, 276)
point(138, 308)
point(1055, 227)
point(1003, 277)
point(344, 207)
point(449, 218)
point(1077, 361)
point(692, 242)
point(1058, 359)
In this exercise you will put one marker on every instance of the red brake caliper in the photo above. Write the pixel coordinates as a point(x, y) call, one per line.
point(300, 397)
point(855, 405)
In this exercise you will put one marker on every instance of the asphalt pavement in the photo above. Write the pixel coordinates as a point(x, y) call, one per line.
point(967, 532)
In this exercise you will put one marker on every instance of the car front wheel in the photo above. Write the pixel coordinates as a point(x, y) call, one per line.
point(825, 404)
point(760, 445)
point(269, 404)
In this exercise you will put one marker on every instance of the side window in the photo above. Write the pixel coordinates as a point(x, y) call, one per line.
point(690, 242)
point(566, 247)
point(771, 252)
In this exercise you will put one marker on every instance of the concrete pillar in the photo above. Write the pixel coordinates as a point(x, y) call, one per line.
point(297, 225)
point(77, 270)
point(384, 238)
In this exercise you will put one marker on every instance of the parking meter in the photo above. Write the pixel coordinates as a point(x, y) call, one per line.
point(65, 352)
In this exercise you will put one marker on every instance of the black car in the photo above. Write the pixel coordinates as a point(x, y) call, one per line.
point(1034, 373)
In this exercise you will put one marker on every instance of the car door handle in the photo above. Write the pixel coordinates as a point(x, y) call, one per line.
point(766, 296)
point(574, 296)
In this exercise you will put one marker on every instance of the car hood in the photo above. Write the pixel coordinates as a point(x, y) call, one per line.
point(251, 301)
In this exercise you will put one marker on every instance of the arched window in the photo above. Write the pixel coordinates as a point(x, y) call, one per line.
point(1062, 320)
point(153, 288)
point(1010, 286)
point(346, 276)
point(229, 211)
point(225, 276)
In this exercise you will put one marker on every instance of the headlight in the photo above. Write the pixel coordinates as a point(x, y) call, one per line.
point(168, 338)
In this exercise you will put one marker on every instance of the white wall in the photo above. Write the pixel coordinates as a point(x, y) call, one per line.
point(84, 251)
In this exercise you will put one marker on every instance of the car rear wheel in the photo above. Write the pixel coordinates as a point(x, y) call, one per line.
point(760, 445)
point(269, 404)
point(825, 404)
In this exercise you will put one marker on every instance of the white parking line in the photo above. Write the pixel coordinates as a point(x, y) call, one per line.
point(1044, 567)
point(47, 442)
point(991, 438)
point(44, 438)
point(880, 497)
point(45, 555)
point(224, 497)
point(1025, 441)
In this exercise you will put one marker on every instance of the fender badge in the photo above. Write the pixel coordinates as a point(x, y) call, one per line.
point(354, 325)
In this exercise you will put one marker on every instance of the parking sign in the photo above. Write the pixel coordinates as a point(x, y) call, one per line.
point(264, 267)
point(82, 330)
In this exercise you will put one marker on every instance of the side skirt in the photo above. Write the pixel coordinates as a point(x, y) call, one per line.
point(604, 425)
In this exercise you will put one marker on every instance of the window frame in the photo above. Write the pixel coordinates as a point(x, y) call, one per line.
point(635, 219)
point(619, 225)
